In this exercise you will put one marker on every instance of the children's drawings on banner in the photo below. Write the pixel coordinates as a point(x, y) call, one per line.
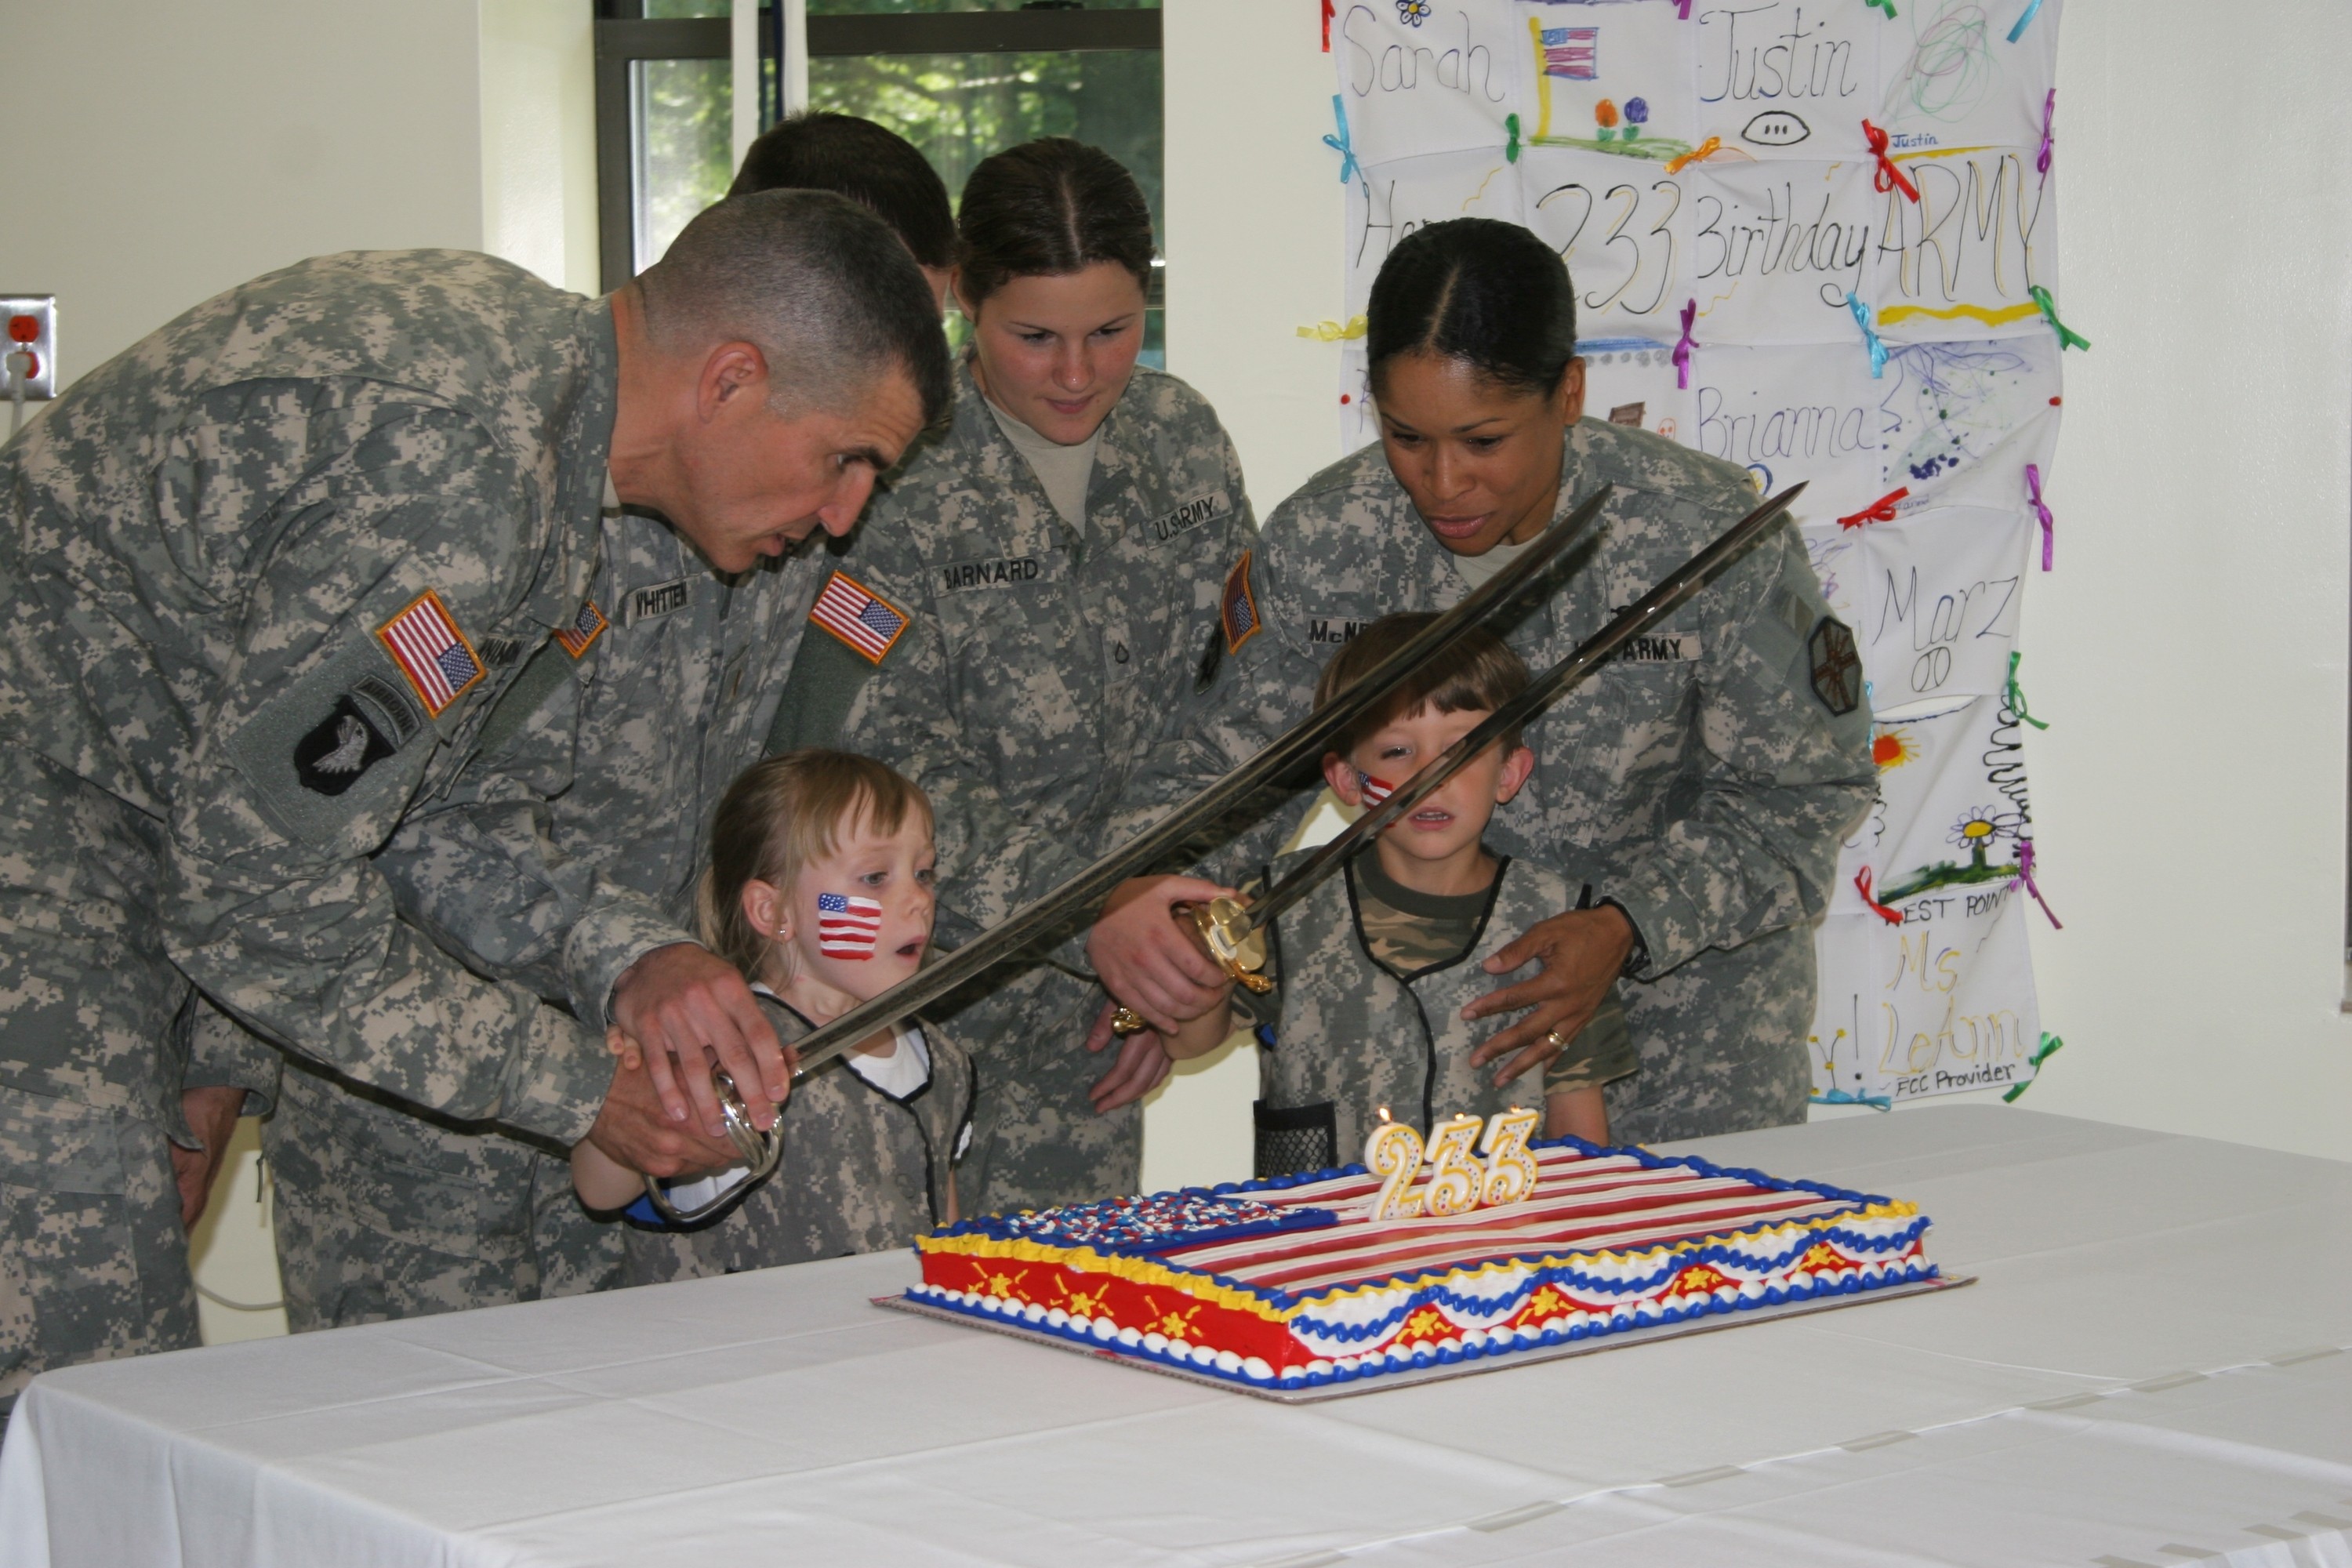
point(1425, 76)
point(1818, 240)
point(1951, 77)
point(1388, 201)
point(1786, 77)
point(1933, 598)
point(1942, 1003)
point(1963, 420)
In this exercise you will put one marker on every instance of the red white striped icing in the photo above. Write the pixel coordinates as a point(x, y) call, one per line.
point(1583, 1204)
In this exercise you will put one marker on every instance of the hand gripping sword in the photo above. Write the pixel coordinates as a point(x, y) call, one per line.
point(1088, 889)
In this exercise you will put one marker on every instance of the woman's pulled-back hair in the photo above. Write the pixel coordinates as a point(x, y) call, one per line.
point(1475, 673)
point(1045, 209)
point(1486, 293)
point(778, 817)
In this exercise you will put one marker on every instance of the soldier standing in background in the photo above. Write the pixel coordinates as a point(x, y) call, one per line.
point(1021, 620)
point(1694, 790)
point(265, 574)
point(568, 849)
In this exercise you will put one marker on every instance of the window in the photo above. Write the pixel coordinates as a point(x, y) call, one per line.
point(959, 78)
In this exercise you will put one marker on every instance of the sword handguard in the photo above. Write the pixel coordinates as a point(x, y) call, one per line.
point(1238, 947)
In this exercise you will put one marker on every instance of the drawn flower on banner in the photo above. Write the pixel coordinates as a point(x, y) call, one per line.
point(1980, 827)
point(1892, 749)
point(1412, 13)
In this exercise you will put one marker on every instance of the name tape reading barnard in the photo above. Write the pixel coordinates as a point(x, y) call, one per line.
point(1003, 571)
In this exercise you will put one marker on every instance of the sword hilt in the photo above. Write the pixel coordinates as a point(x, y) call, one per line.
point(1238, 947)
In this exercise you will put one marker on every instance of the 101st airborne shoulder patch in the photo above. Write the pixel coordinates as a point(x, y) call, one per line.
point(1240, 606)
point(867, 624)
point(424, 642)
point(585, 628)
point(1837, 668)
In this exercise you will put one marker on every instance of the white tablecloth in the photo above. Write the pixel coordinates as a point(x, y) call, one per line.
point(2149, 1372)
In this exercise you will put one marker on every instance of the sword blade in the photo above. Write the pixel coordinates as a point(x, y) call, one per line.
point(1090, 887)
point(1678, 585)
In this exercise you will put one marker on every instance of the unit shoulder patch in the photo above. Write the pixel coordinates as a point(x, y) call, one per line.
point(1239, 612)
point(425, 644)
point(585, 628)
point(870, 625)
point(1837, 668)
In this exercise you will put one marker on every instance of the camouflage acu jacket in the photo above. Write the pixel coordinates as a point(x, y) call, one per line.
point(573, 843)
point(1019, 670)
point(861, 1171)
point(254, 572)
point(1353, 1039)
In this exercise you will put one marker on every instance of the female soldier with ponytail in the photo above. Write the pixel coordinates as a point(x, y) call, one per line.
point(1022, 621)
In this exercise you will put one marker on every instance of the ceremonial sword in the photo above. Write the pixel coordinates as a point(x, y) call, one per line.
point(1236, 932)
point(1090, 887)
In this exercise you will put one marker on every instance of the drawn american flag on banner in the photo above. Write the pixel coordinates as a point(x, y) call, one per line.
point(423, 641)
point(1572, 52)
point(847, 926)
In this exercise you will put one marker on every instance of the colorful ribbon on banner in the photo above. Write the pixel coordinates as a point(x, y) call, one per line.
point(2025, 875)
point(2049, 120)
point(1683, 348)
point(2032, 8)
point(2068, 338)
point(1880, 511)
point(2050, 1047)
point(2014, 695)
point(1888, 177)
point(2042, 513)
point(1682, 10)
point(1707, 149)
point(1861, 880)
point(1869, 335)
point(1886, 6)
point(1342, 143)
point(1331, 332)
point(1327, 25)
point(1840, 1097)
point(1511, 149)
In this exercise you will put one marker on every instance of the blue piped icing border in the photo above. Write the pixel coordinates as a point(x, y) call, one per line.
point(1776, 1296)
point(993, 1227)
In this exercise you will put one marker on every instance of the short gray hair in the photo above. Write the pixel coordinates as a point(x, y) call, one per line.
point(820, 285)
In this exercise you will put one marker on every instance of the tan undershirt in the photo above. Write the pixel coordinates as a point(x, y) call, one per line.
point(1064, 471)
point(1477, 570)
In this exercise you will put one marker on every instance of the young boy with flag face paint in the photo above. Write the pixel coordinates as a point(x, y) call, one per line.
point(1373, 968)
point(820, 891)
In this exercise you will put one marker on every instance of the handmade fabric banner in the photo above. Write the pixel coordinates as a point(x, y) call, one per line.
point(1817, 240)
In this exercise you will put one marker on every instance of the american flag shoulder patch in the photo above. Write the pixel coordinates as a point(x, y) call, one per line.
point(424, 642)
point(856, 615)
point(1240, 613)
point(585, 629)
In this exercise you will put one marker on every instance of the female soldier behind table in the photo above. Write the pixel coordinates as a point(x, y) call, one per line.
point(1019, 623)
point(1694, 796)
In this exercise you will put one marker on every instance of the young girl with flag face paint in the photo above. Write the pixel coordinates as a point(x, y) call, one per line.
point(819, 889)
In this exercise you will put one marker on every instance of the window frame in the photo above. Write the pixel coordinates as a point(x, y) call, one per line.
point(624, 35)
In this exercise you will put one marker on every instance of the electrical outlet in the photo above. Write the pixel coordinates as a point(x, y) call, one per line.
point(32, 324)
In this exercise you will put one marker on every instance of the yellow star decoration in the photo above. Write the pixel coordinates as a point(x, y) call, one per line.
point(1545, 1303)
point(1004, 1285)
point(1819, 1255)
point(1174, 1325)
point(1426, 1324)
point(1083, 1303)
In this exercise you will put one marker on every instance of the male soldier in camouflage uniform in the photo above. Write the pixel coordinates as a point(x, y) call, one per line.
point(1699, 782)
point(256, 572)
point(1029, 668)
point(570, 847)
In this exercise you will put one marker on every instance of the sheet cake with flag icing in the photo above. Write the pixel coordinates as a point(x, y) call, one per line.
point(1289, 1283)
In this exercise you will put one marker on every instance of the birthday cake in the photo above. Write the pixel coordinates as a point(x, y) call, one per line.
point(1293, 1283)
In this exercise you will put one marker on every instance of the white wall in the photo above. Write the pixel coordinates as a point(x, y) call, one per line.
point(171, 150)
point(2190, 650)
point(539, 138)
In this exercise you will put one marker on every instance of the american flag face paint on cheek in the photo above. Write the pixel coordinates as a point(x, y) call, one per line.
point(1374, 790)
point(847, 926)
